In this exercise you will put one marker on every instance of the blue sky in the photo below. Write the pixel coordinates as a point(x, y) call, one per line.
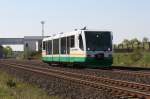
point(125, 18)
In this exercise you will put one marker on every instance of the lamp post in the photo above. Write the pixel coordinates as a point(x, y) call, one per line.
point(42, 22)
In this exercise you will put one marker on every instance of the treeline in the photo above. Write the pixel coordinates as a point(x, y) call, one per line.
point(130, 45)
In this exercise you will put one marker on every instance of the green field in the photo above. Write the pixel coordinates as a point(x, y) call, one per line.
point(12, 88)
point(137, 58)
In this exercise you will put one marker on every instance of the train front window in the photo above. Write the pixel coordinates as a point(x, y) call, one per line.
point(98, 41)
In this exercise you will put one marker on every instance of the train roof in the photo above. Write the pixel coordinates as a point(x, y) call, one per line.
point(55, 36)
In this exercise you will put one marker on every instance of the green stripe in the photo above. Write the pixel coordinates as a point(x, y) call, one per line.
point(64, 59)
point(84, 60)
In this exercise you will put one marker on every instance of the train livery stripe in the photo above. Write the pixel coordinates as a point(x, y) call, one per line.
point(72, 54)
point(61, 55)
point(83, 60)
point(64, 59)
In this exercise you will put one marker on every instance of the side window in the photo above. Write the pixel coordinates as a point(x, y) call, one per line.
point(49, 47)
point(56, 46)
point(80, 42)
point(63, 45)
point(72, 39)
point(44, 45)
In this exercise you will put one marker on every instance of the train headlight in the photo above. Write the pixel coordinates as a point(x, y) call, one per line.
point(110, 55)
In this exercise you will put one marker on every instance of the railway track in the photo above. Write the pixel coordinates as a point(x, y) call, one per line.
point(116, 87)
point(118, 74)
point(124, 70)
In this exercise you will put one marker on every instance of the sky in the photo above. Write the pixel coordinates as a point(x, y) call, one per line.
point(125, 18)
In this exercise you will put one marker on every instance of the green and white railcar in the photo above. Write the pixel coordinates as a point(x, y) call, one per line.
point(84, 47)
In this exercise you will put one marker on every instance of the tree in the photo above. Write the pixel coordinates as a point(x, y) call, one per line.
point(144, 41)
point(132, 43)
point(7, 51)
point(126, 42)
point(115, 46)
point(135, 42)
point(120, 45)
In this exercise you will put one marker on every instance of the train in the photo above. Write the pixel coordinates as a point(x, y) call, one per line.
point(88, 48)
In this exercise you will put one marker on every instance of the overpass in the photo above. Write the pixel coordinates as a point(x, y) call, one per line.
point(11, 41)
point(33, 43)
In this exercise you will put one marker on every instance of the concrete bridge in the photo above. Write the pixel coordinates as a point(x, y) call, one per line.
point(11, 41)
point(33, 43)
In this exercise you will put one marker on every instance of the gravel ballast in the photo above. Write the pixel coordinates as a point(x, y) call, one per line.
point(55, 86)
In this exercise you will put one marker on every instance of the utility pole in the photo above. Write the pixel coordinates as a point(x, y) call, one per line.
point(42, 22)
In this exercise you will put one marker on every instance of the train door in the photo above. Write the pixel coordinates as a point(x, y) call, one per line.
point(50, 50)
point(66, 43)
point(63, 50)
point(59, 49)
point(71, 47)
point(68, 49)
point(56, 50)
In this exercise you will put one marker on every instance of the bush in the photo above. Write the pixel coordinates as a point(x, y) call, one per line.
point(11, 83)
point(136, 55)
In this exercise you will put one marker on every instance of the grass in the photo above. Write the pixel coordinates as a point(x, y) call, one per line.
point(12, 88)
point(137, 58)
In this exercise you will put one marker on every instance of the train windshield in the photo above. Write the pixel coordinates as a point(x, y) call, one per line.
point(98, 41)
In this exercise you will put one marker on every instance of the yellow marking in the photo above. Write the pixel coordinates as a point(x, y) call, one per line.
point(72, 54)
point(77, 54)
